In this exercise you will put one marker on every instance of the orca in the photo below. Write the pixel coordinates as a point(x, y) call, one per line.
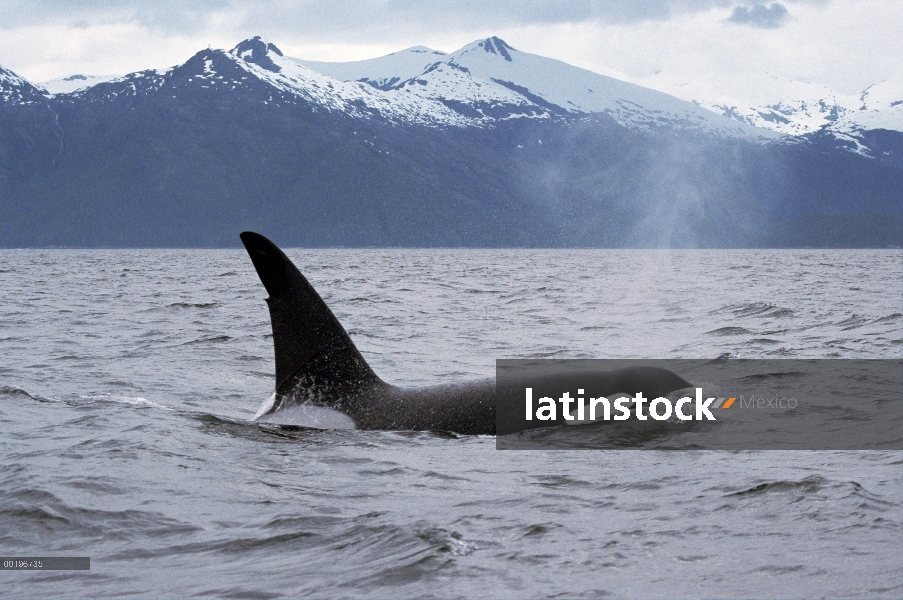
point(323, 381)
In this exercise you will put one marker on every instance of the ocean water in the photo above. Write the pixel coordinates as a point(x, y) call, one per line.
point(128, 378)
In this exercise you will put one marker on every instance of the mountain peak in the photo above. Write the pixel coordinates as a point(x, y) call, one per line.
point(496, 45)
point(257, 50)
point(490, 45)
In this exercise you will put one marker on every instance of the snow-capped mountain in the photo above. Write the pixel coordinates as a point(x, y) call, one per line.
point(789, 107)
point(554, 83)
point(880, 109)
point(267, 62)
point(259, 67)
point(479, 85)
point(801, 109)
point(489, 80)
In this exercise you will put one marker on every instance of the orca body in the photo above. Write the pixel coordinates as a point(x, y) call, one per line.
point(321, 376)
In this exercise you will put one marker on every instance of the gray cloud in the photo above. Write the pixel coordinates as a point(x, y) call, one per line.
point(759, 15)
point(318, 19)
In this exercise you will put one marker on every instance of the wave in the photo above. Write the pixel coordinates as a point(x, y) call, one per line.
point(729, 331)
point(11, 390)
point(893, 317)
point(209, 340)
point(805, 486)
point(193, 305)
point(852, 322)
point(754, 309)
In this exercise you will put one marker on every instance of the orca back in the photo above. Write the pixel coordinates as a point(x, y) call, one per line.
point(313, 350)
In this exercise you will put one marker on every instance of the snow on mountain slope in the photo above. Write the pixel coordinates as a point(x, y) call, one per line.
point(577, 90)
point(474, 97)
point(884, 95)
point(804, 108)
point(67, 85)
point(17, 90)
point(795, 107)
point(789, 107)
point(383, 72)
point(882, 108)
point(490, 79)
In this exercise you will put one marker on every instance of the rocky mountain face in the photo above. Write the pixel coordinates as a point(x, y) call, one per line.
point(486, 146)
point(30, 136)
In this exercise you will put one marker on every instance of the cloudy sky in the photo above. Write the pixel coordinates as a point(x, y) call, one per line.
point(845, 45)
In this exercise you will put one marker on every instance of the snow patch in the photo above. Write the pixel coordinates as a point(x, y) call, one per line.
point(73, 83)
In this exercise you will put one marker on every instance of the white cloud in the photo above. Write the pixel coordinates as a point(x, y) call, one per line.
point(42, 52)
point(846, 46)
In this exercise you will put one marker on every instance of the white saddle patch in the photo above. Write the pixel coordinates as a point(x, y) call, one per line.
point(305, 415)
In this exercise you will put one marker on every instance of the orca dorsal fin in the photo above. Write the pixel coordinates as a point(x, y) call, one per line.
point(312, 348)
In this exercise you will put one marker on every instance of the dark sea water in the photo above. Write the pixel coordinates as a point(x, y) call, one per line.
point(128, 378)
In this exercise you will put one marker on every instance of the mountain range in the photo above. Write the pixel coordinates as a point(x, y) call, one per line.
point(485, 146)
